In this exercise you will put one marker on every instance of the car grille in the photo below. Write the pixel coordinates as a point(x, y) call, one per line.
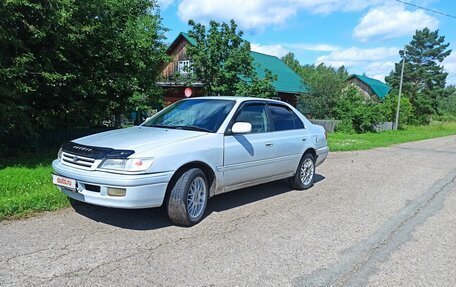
point(80, 161)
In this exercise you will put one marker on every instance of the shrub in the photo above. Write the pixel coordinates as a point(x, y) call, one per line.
point(358, 113)
point(389, 106)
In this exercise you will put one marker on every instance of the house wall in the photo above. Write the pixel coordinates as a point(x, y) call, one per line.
point(289, 98)
point(174, 94)
point(363, 88)
point(179, 53)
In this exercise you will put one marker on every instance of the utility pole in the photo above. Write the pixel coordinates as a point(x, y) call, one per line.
point(396, 124)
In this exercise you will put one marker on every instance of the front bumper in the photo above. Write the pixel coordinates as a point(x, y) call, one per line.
point(142, 191)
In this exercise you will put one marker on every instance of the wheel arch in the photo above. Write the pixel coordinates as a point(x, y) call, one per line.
point(311, 151)
point(208, 171)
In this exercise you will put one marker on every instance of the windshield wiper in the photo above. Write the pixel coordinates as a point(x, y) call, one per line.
point(161, 126)
point(192, 128)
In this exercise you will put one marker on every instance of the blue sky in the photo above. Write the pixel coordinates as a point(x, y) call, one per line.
point(363, 35)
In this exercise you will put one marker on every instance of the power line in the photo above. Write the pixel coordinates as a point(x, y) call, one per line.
point(424, 8)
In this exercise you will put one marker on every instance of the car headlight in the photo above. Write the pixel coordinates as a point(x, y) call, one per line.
point(129, 165)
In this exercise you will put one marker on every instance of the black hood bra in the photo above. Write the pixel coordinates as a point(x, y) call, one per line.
point(95, 152)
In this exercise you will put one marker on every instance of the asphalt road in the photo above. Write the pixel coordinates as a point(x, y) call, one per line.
point(384, 217)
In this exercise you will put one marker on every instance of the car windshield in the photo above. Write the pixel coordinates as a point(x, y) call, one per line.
point(196, 114)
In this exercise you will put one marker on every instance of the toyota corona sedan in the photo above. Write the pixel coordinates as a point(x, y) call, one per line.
point(190, 151)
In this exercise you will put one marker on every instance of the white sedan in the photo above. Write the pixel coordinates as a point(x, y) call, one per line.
point(191, 151)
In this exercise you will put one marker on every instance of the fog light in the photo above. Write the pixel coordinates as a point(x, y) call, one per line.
point(113, 191)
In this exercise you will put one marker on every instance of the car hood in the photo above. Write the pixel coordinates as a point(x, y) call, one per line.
point(138, 139)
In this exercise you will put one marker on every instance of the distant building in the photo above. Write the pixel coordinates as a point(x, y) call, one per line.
point(372, 88)
point(288, 84)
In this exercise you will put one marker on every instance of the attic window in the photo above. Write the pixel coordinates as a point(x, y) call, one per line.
point(184, 67)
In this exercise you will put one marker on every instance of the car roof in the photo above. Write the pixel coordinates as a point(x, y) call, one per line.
point(237, 99)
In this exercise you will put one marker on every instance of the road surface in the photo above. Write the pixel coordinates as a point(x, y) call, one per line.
point(384, 217)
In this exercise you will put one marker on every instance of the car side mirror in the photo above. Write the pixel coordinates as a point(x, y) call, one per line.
point(241, 128)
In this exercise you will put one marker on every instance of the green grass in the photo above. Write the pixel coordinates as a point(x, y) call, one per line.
point(26, 186)
point(349, 142)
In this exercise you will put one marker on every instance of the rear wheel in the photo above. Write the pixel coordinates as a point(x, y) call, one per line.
point(188, 198)
point(304, 176)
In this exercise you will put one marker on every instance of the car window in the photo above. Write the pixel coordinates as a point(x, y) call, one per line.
point(197, 114)
point(284, 119)
point(255, 114)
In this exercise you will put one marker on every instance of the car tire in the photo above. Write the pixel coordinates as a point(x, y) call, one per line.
point(304, 177)
point(188, 198)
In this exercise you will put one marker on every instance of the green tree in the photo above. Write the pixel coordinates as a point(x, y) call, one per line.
point(325, 85)
point(73, 63)
point(424, 77)
point(290, 60)
point(389, 107)
point(257, 87)
point(357, 113)
point(446, 104)
point(221, 60)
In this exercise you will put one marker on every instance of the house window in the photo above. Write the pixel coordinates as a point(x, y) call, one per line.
point(184, 67)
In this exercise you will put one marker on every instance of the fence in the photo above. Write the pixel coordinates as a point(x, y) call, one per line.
point(384, 126)
point(330, 125)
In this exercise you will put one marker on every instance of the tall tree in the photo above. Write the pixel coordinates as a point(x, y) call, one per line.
point(447, 103)
point(424, 76)
point(325, 85)
point(221, 60)
point(65, 62)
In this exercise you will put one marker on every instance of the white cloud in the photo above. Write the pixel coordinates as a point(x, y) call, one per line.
point(164, 3)
point(329, 6)
point(313, 47)
point(280, 50)
point(375, 62)
point(354, 55)
point(386, 22)
point(256, 14)
point(378, 70)
point(275, 50)
point(450, 67)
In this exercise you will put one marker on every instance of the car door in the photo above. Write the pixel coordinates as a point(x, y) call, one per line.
point(290, 137)
point(249, 157)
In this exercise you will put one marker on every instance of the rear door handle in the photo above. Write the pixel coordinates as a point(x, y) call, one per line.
point(269, 144)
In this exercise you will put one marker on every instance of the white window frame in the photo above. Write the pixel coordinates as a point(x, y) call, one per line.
point(182, 65)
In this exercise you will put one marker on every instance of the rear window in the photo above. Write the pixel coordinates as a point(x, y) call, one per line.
point(284, 119)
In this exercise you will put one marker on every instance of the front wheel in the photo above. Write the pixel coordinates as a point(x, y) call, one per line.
point(304, 176)
point(188, 198)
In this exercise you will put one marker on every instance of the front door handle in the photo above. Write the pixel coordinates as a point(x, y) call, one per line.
point(269, 144)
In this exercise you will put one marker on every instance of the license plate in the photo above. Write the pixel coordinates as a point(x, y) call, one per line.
point(64, 181)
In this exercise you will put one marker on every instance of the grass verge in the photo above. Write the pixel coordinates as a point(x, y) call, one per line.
point(26, 186)
point(349, 142)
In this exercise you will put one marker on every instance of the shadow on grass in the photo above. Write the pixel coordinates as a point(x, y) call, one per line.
point(156, 218)
point(43, 157)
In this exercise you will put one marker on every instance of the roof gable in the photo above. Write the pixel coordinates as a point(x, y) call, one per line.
point(287, 80)
point(379, 88)
point(178, 39)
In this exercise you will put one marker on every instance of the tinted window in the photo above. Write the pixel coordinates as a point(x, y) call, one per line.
point(198, 114)
point(284, 118)
point(256, 115)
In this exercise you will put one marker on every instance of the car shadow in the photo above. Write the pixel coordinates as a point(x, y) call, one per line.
point(135, 219)
point(156, 218)
point(248, 195)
